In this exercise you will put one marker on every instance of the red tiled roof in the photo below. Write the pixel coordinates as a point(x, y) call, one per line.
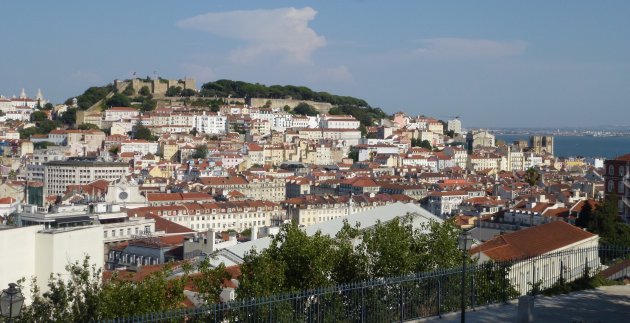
point(169, 227)
point(532, 241)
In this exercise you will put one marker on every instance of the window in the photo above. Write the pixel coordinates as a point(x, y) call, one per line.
point(621, 171)
point(611, 170)
point(610, 186)
point(620, 189)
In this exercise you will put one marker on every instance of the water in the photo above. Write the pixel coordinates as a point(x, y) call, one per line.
point(585, 146)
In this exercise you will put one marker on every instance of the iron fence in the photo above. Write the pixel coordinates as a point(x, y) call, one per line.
point(414, 296)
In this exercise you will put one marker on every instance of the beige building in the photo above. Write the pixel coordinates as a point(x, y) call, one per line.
point(253, 187)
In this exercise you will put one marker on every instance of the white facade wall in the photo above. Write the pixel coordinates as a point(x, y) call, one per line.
point(118, 114)
point(210, 124)
point(139, 147)
point(40, 254)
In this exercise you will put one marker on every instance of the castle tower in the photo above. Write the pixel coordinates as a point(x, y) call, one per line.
point(23, 94)
point(39, 96)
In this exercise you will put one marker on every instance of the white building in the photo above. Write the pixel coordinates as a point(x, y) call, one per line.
point(455, 125)
point(138, 146)
point(119, 113)
point(445, 203)
point(543, 254)
point(210, 123)
point(59, 174)
point(37, 253)
point(339, 122)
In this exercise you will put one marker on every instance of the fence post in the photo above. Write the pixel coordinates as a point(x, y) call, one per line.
point(362, 302)
point(472, 287)
point(504, 278)
point(439, 296)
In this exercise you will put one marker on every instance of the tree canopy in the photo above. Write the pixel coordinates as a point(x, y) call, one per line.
point(142, 132)
point(201, 151)
point(296, 261)
point(119, 100)
point(225, 88)
point(305, 109)
point(366, 115)
point(91, 96)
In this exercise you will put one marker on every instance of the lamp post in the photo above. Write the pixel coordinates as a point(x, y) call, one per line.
point(11, 301)
point(465, 242)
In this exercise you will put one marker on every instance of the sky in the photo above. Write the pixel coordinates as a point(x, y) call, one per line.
point(492, 63)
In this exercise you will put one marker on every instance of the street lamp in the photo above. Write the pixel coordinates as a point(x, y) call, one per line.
point(465, 242)
point(11, 301)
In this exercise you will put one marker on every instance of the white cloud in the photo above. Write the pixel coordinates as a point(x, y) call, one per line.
point(282, 31)
point(462, 48)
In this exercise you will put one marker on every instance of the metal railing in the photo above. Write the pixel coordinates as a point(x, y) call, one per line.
point(410, 297)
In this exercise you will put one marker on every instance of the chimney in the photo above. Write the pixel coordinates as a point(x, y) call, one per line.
point(211, 240)
point(254, 234)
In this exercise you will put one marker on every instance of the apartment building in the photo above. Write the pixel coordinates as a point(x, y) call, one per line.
point(233, 215)
point(253, 187)
point(59, 174)
point(311, 209)
point(617, 182)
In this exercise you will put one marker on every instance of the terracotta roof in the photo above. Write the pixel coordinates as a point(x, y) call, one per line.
point(532, 241)
point(169, 227)
point(624, 157)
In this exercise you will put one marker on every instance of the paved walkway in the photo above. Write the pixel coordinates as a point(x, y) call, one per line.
point(605, 304)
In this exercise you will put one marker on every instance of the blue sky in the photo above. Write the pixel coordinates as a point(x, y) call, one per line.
point(493, 63)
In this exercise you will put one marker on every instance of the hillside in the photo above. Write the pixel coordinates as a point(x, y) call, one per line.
point(211, 93)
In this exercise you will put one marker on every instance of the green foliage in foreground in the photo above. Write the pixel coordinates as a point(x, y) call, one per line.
point(587, 281)
point(80, 295)
point(296, 261)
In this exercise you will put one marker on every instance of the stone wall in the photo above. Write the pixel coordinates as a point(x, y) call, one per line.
point(322, 107)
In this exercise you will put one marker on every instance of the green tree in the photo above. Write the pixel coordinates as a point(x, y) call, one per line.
point(48, 106)
point(26, 133)
point(119, 100)
point(305, 109)
point(208, 281)
point(42, 144)
point(294, 261)
point(69, 117)
point(38, 116)
point(142, 132)
point(153, 294)
point(114, 150)
point(144, 91)
point(148, 105)
point(585, 217)
point(201, 151)
point(417, 142)
point(354, 154)
point(532, 176)
point(188, 93)
point(70, 299)
point(194, 131)
point(607, 224)
point(174, 91)
point(129, 90)
point(88, 126)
